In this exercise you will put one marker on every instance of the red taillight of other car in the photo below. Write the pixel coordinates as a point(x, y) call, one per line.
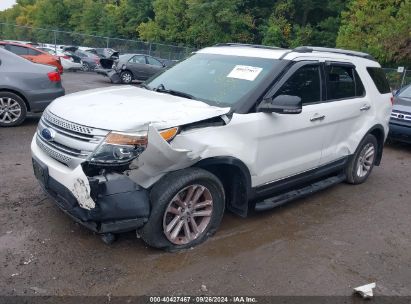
point(54, 76)
point(66, 57)
point(392, 100)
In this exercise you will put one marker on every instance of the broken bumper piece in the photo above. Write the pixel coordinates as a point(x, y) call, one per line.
point(120, 204)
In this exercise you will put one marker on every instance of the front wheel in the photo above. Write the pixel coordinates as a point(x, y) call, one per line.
point(126, 77)
point(187, 207)
point(362, 162)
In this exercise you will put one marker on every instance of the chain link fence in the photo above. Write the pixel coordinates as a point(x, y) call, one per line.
point(57, 38)
point(397, 80)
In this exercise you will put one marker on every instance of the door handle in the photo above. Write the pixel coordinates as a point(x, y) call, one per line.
point(317, 117)
point(365, 108)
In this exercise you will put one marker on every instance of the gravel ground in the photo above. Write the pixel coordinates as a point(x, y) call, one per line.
point(326, 244)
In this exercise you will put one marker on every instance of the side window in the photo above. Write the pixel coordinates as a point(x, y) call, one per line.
point(138, 59)
point(381, 82)
point(304, 83)
point(33, 52)
point(18, 50)
point(153, 61)
point(80, 54)
point(343, 82)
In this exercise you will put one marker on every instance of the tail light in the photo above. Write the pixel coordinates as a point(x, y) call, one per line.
point(97, 60)
point(392, 100)
point(54, 76)
point(66, 57)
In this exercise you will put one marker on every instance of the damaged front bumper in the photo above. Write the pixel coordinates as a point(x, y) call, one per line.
point(105, 204)
point(112, 74)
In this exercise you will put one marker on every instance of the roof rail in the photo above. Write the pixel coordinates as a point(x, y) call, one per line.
point(310, 49)
point(257, 46)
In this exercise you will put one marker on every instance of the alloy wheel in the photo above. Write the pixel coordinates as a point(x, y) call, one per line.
point(10, 110)
point(188, 214)
point(85, 67)
point(365, 160)
point(126, 78)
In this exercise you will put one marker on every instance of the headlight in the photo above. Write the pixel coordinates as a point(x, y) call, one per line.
point(120, 148)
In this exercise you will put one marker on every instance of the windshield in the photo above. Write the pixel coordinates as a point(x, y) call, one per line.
point(406, 93)
point(219, 80)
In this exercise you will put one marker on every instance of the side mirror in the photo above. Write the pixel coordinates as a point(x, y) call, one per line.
point(282, 104)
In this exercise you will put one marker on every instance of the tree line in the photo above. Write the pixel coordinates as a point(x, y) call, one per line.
point(379, 27)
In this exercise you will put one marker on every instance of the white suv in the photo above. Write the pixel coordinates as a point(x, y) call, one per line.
point(233, 126)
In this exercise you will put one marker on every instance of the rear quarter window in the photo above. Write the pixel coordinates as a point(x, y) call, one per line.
point(380, 81)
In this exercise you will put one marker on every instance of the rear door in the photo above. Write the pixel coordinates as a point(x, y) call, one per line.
point(345, 111)
point(137, 65)
point(153, 66)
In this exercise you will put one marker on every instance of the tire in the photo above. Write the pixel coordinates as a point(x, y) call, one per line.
point(13, 110)
point(163, 198)
point(85, 67)
point(360, 165)
point(126, 77)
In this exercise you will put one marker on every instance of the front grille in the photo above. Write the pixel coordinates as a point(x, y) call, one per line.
point(401, 115)
point(66, 124)
point(71, 143)
point(53, 153)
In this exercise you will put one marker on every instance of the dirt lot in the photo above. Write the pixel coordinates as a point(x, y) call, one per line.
point(343, 237)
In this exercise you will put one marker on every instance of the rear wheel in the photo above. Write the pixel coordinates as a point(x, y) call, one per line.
point(187, 207)
point(85, 67)
point(13, 110)
point(362, 163)
point(126, 77)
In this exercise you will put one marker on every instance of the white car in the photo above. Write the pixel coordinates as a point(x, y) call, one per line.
point(233, 126)
point(67, 61)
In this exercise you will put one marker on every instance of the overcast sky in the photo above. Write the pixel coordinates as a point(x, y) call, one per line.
point(6, 4)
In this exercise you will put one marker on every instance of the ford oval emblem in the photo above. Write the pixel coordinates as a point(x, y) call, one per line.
point(48, 134)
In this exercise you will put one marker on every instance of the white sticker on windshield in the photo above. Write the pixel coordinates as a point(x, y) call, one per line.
point(245, 72)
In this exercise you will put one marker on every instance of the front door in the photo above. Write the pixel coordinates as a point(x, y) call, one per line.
point(289, 144)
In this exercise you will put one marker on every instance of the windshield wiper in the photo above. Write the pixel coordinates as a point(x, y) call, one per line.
point(162, 89)
point(143, 85)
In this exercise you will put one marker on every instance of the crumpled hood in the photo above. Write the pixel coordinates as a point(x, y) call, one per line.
point(128, 108)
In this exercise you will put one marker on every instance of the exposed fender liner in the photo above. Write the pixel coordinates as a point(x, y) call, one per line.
point(380, 139)
point(236, 182)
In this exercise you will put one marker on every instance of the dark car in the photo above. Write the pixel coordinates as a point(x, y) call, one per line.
point(137, 67)
point(89, 60)
point(25, 87)
point(400, 121)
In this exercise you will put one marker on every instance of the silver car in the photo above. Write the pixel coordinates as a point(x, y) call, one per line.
point(25, 87)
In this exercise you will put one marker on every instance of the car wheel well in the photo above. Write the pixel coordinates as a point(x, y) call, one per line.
point(127, 70)
point(378, 132)
point(18, 94)
point(236, 180)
